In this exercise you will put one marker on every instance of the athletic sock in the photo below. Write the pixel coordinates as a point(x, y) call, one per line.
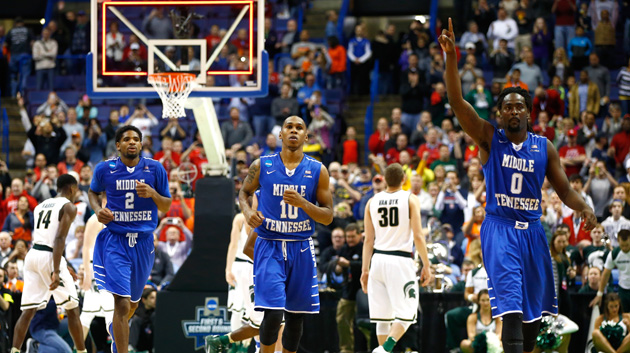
point(83, 351)
point(225, 340)
point(389, 344)
point(15, 350)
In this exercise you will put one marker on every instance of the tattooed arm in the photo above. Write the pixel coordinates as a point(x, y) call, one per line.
point(251, 184)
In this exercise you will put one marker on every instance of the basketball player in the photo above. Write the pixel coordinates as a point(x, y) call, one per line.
point(389, 277)
point(515, 163)
point(136, 189)
point(96, 303)
point(45, 270)
point(285, 272)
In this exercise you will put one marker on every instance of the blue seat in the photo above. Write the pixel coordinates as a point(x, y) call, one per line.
point(70, 97)
point(31, 82)
point(64, 83)
point(37, 97)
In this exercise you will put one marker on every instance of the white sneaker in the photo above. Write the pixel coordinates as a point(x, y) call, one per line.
point(379, 349)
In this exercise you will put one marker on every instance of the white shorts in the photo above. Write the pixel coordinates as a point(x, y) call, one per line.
point(240, 297)
point(393, 289)
point(38, 268)
point(97, 304)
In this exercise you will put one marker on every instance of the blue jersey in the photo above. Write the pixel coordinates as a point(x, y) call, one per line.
point(132, 214)
point(514, 177)
point(284, 221)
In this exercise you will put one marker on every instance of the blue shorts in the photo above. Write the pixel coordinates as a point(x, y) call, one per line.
point(518, 263)
point(285, 276)
point(123, 262)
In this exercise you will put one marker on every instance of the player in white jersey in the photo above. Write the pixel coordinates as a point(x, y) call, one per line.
point(96, 303)
point(45, 270)
point(389, 277)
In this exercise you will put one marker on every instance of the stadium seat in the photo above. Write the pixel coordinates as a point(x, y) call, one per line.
point(37, 97)
point(70, 97)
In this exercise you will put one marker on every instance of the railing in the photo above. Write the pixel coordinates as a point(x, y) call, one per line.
point(343, 12)
point(5, 135)
point(369, 112)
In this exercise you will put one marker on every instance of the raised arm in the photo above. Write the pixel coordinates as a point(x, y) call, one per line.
point(478, 129)
point(558, 179)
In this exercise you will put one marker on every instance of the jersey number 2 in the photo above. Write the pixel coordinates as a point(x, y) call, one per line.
point(389, 217)
point(129, 200)
point(46, 219)
point(517, 183)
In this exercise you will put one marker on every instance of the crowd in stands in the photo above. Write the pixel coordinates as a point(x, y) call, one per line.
point(571, 56)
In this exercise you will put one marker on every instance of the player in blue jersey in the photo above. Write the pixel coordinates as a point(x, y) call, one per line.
point(136, 188)
point(515, 163)
point(294, 194)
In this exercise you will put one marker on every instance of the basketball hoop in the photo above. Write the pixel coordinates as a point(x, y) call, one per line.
point(173, 88)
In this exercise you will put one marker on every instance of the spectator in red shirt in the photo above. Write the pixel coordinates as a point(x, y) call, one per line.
point(393, 153)
point(620, 144)
point(40, 165)
point(547, 100)
point(179, 208)
point(214, 37)
point(572, 155)
point(241, 42)
point(378, 139)
point(577, 233)
point(432, 146)
point(167, 157)
point(70, 162)
point(350, 152)
point(10, 203)
point(543, 124)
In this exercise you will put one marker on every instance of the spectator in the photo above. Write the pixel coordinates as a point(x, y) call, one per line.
point(284, 106)
point(40, 165)
point(445, 160)
point(329, 261)
point(531, 74)
point(322, 124)
point(14, 283)
point(612, 122)
point(46, 138)
point(451, 202)
point(584, 96)
point(359, 53)
point(300, 51)
point(95, 142)
point(600, 75)
point(503, 28)
point(44, 329)
point(167, 157)
point(592, 284)
point(440, 109)
point(331, 24)
point(290, 36)
point(473, 35)
point(141, 326)
point(162, 272)
point(413, 91)
point(19, 223)
point(619, 193)
point(514, 80)
point(560, 67)
point(623, 80)
point(350, 149)
point(386, 51)
point(377, 140)
point(564, 11)
point(157, 25)
point(588, 132)
point(338, 60)
point(350, 262)
point(580, 47)
point(548, 101)
point(572, 156)
point(173, 130)
point(541, 41)
point(46, 186)
point(236, 133)
point(214, 37)
point(620, 144)
point(85, 109)
point(176, 249)
point(606, 339)
point(52, 106)
point(18, 42)
point(605, 39)
point(431, 146)
point(70, 161)
point(115, 42)
point(524, 17)
point(480, 98)
point(596, 8)
point(113, 124)
point(501, 60)
point(616, 222)
point(45, 55)
point(305, 93)
point(593, 255)
point(484, 15)
point(144, 120)
point(393, 153)
point(566, 273)
point(5, 250)
point(476, 323)
point(80, 43)
point(469, 74)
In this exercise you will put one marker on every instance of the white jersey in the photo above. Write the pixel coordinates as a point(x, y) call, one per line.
point(47, 220)
point(241, 243)
point(391, 219)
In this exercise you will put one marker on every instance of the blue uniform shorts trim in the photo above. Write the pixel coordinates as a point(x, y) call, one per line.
point(519, 267)
point(285, 276)
point(123, 262)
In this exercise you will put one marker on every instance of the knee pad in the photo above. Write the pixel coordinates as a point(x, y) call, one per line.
point(382, 328)
point(292, 331)
point(530, 333)
point(270, 326)
point(512, 333)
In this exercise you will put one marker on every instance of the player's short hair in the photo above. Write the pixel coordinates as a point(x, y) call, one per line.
point(285, 120)
point(623, 234)
point(120, 132)
point(518, 90)
point(66, 180)
point(352, 227)
point(394, 175)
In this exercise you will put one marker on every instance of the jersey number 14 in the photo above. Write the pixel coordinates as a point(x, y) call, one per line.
point(45, 218)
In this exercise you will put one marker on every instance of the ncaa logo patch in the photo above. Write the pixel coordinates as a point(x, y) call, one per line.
point(268, 163)
point(211, 305)
point(112, 165)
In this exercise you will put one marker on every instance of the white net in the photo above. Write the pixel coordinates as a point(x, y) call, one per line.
point(173, 88)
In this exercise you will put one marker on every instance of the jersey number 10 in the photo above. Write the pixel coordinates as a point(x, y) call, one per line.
point(289, 210)
point(389, 217)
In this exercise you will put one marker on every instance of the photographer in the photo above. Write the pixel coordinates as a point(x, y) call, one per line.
point(47, 136)
point(95, 142)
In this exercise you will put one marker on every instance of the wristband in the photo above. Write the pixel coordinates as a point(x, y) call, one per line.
point(470, 297)
point(600, 293)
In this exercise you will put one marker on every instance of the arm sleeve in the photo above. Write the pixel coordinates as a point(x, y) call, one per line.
point(351, 51)
point(610, 264)
point(461, 201)
point(439, 202)
point(368, 53)
point(469, 281)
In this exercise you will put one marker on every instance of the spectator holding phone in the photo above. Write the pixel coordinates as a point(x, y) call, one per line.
point(176, 249)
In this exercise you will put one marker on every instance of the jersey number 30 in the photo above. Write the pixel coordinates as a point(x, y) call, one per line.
point(389, 217)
